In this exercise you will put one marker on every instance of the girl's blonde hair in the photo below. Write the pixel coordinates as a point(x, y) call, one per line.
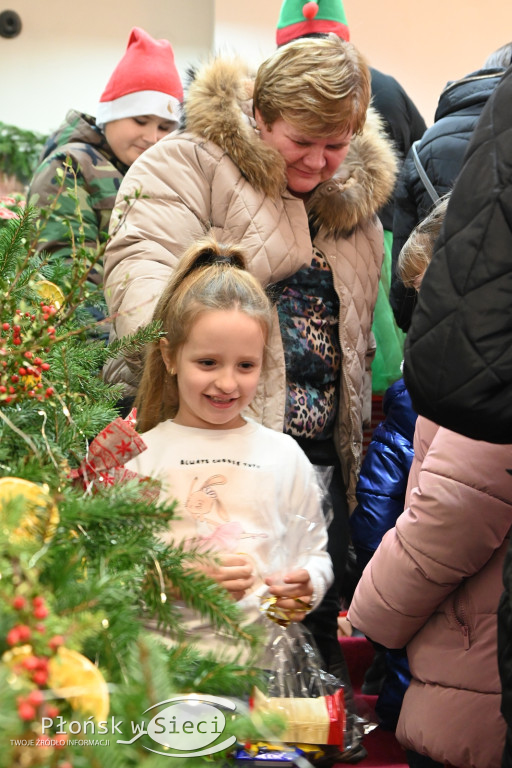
point(417, 252)
point(210, 276)
point(320, 86)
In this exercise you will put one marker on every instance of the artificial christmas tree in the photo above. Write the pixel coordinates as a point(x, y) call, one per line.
point(82, 568)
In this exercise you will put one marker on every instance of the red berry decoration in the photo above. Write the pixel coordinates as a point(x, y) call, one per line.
point(310, 10)
point(23, 632)
point(19, 603)
point(20, 342)
point(55, 642)
point(13, 637)
point(52, 711)
point(35, 698)
point(40, 612)
point(40, 676)
point(30, 663)
point(26, 711)
point(60, 740)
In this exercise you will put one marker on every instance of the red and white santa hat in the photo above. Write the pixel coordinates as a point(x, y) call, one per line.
point(145, 82)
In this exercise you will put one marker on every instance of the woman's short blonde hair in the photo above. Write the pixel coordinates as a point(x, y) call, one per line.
point(418, 250)
point(320, 86)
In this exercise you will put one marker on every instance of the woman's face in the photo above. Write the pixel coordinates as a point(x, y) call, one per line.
point(131, 136)
point(309, 160)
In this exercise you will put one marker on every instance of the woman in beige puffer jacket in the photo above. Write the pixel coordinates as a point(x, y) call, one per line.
point(297, 182)
point(220, 177)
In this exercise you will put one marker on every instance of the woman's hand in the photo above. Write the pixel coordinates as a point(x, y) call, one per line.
point(234, 572)
point(289, 585)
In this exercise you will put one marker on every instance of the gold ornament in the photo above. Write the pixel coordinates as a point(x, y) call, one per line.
point(79, 681)
point(40, 517)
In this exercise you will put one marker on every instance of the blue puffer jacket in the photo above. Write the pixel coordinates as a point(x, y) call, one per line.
point(381, 495)
point(381, 487)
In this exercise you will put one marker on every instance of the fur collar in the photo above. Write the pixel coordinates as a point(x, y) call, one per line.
point(217, 109)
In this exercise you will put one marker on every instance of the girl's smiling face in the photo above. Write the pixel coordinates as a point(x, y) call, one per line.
point(217, 368)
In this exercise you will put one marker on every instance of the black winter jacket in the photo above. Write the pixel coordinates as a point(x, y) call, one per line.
point(458, 352)
point(441, 152)
point(402, 122)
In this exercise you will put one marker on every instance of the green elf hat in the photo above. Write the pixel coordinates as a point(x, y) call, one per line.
point(298, 18)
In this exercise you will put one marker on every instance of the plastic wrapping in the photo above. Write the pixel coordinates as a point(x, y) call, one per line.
point(312, 702)
point(303, 544)
point(323, 476)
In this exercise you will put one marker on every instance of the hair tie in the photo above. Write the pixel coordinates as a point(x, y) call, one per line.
point(210, 257)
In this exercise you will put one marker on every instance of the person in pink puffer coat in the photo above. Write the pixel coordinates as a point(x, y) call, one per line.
point(433, 585)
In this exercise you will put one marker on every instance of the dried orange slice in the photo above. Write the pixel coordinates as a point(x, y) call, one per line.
point(72, 677)
point(50, 292)
point(79, 681)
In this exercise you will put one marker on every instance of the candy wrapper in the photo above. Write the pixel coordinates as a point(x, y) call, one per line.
point(108, 452)
point(268, 755)
point(309, 700)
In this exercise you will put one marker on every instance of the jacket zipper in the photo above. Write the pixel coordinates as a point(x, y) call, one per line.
point(344, 375)
point(459, 615)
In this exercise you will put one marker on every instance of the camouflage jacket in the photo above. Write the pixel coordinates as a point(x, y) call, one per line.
point(93, 185)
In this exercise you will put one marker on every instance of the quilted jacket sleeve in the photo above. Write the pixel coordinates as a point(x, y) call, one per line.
point(439, 541)
point(162, 207)
point(458, 353)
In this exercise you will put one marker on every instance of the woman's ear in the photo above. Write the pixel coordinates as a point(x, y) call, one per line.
point(166, 356)
point(260, 123)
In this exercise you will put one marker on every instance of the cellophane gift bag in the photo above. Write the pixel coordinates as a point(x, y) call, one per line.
point(312, 702)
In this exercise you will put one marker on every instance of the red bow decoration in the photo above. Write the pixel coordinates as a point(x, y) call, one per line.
point(108, 452)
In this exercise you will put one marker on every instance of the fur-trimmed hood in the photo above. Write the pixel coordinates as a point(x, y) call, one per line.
point(218, 107)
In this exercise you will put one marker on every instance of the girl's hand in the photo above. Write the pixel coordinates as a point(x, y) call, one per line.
point(234, 572)
point(291, 584)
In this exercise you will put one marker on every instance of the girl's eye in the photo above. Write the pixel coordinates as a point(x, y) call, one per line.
point(206, 363)
point(246, 366)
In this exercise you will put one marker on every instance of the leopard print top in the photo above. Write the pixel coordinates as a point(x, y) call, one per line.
point(308, 309)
